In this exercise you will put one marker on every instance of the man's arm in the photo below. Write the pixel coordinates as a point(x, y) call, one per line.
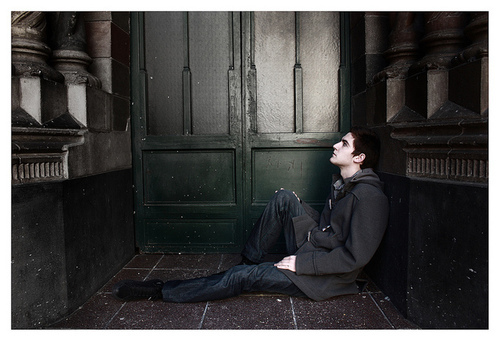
point(368, 223)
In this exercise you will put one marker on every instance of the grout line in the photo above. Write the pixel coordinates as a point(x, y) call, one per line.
point(121, 307)
point(385, 316)
point(203, 316)
point(130, 261)
point(293, 313)
point(154, 267)
point(114, 315)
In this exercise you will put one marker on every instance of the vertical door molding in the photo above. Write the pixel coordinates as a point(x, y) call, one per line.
point(298, 91)
point(186, 78)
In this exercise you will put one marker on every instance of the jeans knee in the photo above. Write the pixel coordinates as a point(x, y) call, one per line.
point(284, 195)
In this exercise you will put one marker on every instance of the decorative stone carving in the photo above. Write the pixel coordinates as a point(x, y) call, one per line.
point(437, 108)
point(29, 49)
point(43, 128)
point(403, 45)
point(41, 154)
point(443, 39)
point(388, 86)
point(451, 149)
point(477, 32)
point(69, 56)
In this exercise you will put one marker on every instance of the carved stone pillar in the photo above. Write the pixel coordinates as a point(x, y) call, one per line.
point(469, 75)
point(42, 128)
point(403, 45)
point(477, 32)
point(443, 39)
point(444, 122)
point(401, 54)
point(69, 56)
point(29, 49)
point(428, 78)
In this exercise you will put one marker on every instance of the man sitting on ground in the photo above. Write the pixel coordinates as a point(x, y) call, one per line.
point(326, 252)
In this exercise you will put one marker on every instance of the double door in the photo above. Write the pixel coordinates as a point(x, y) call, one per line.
point(226, 108)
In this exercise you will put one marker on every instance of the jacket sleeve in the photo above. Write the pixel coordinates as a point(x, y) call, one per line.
point(367, 226)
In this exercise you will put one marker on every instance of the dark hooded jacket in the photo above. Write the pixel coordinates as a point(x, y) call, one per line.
point(336, 245)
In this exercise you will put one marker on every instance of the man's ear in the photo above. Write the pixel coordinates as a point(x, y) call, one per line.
point(359, 158)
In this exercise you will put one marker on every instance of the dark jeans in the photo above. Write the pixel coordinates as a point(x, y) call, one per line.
point(277, 216)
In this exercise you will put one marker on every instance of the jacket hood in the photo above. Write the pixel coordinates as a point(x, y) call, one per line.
point(365, 176)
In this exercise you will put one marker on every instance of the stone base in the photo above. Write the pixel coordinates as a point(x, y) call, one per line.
point(68, 239)
point(433, 260)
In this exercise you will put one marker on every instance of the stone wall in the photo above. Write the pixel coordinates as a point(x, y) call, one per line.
point(68, 239)
point(421, 81)
point(72, 202)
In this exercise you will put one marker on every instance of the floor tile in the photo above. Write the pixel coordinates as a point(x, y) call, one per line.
point(135, 274)
point(250, 312)
point(158, 315)
point(170, 275)
point(94, 314)
point(144, 261)
point(370, 309)
point(343, 312)
point(200, 261)
point(392, 314)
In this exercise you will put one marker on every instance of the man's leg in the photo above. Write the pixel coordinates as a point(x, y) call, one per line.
point(235, 281)
point(277, 217)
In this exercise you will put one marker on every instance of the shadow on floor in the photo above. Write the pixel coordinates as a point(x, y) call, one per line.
point(368, 310)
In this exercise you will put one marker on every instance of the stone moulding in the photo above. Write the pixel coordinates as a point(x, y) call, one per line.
point(41, 154)
point(454, 149)
point(448, 167)
point(29, 167)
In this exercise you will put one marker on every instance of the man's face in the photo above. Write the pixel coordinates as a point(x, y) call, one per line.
point(342, 151)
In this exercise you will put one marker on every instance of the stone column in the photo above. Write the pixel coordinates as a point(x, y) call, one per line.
point(477, 32)
point(42, 131)
point(69, 57)
point(428, 77)
point(29, 49)
point(68, 41)
point(443, 39)
point(401, 54)
point(403, 44)
point(469, 75)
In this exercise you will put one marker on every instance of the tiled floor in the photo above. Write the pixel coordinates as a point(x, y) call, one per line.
point(369, 310)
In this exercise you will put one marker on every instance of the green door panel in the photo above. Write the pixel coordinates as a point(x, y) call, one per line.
point(305, 171)
point(189, 176)
point(190, 235)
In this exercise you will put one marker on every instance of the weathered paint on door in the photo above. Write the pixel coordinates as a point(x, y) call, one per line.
point(227, 108)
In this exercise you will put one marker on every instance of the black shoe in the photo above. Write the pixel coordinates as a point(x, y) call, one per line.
point(129, 290)
point(246, 261)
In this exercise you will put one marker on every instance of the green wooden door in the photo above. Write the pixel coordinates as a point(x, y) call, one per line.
point(227, 108)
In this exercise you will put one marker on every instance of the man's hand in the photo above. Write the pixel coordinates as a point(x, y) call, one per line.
point(287, 263)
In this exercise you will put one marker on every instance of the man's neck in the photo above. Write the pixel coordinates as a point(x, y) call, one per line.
point(349, 171)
